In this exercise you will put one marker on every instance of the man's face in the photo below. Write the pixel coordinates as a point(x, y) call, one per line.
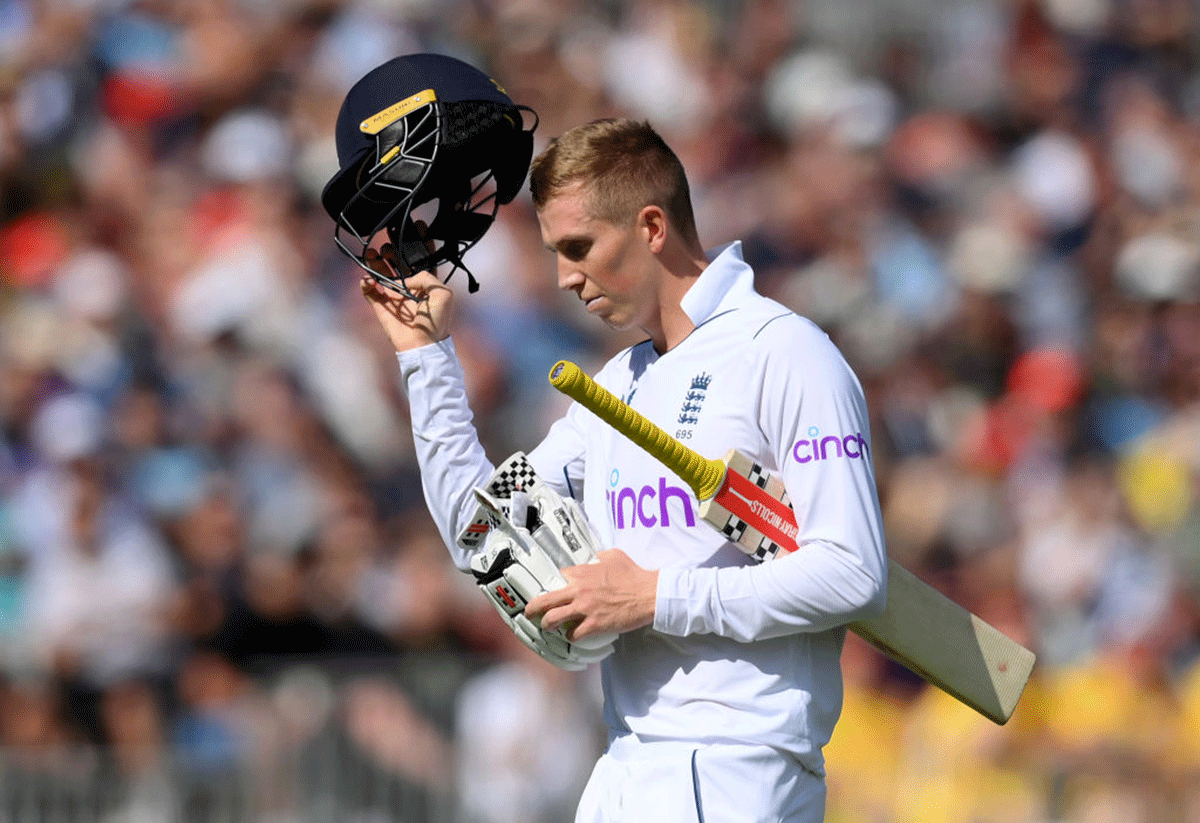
point(608, 266)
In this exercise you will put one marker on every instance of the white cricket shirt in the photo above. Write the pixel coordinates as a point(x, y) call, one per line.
point(739, 651)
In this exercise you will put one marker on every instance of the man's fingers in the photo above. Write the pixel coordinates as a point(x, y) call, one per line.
point(539, 605)
point(415, 309)
point(562, 616)
point(574, 629)
point(376, 262)
point(425, 281)
point(422, 228)
point(388, 252)
point(374, 291)
point(556, 607)
point(420, 284)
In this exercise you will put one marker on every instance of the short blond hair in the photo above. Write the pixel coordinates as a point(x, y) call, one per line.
point(625, 166)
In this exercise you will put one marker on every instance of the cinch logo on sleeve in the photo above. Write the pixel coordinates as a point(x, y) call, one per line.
point(830, 447)
point(650, 506)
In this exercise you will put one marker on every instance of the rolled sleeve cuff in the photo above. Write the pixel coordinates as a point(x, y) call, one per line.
point(674, 608)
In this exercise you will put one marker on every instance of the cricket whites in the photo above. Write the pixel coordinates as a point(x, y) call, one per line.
point(921, 628)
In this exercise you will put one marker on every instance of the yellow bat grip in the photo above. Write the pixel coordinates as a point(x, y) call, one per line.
point(702, 474)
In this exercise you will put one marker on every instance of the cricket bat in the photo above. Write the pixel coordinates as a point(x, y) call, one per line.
point(920, 628)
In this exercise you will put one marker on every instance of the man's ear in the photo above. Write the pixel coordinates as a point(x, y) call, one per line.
point(652, 222)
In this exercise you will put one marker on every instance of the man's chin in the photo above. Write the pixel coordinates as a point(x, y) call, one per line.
point(616, 322)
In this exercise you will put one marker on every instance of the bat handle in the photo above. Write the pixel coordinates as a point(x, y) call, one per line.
point(703, 475)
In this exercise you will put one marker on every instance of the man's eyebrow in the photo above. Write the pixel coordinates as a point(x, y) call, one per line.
point(563, 241)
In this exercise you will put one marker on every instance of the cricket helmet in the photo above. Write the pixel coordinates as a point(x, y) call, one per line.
point(425, 132)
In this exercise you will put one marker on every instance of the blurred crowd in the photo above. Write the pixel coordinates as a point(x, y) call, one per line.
point(214, 553)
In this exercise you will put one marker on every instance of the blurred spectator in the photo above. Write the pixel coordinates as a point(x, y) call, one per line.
point(526, 735)
point(90, 541)
point(133, 726)
point(217, 725)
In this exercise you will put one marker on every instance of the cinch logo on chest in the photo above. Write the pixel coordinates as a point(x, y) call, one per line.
point(648, 507)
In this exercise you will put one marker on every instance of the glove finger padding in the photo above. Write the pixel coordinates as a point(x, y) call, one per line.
point(532, 535)
point(510, 582)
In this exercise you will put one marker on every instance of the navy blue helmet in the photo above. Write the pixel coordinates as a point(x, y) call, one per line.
point(425, 129)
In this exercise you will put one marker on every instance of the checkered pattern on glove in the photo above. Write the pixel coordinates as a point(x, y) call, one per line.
point(512, 475)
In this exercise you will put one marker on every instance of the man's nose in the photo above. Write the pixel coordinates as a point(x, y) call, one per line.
point(570, 277)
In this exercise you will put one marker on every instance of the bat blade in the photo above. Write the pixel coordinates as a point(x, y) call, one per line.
point(948, 646)
point(921, 628)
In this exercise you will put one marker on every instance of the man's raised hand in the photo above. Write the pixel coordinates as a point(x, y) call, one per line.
point(409, 323)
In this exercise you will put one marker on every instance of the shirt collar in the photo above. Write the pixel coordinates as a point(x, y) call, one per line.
point(724, 281)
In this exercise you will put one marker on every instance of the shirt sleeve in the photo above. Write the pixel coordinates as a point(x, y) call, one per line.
point(451, 458)
point(814, 418)
point(559, 458)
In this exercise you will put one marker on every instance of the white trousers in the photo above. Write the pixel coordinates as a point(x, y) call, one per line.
point(686, 783)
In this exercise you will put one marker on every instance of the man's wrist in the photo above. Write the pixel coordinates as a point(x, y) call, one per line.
point(402, 346)
point(650, 601)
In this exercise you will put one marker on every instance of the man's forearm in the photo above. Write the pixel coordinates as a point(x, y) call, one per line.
point(811, 590)
point(451, 458)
